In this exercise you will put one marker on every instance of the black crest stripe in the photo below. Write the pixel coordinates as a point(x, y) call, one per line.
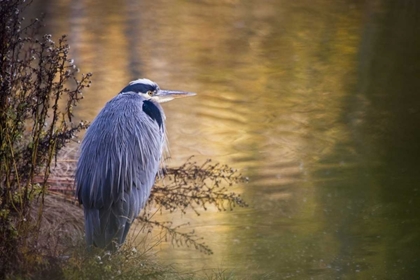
point(143, 88)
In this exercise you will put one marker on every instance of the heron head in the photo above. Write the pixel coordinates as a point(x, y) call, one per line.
point(150, 90)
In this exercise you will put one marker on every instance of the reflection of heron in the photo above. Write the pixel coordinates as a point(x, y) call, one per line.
point(119, 160)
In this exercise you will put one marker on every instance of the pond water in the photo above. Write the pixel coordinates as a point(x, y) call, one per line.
point(317, 102)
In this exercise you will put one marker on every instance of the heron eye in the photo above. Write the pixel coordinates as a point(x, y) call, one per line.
point(150, 93)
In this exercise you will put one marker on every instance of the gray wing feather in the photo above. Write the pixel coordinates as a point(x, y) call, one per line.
point(119, 160)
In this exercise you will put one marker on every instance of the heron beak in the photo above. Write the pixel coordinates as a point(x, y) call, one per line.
point(168, 95)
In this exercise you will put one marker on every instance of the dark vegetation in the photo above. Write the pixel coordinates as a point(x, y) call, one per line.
point(40, 224)
point(39, 88)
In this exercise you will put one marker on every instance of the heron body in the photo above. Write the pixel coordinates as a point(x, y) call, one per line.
point(119, 160)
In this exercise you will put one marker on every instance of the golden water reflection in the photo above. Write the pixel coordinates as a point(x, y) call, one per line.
point(280, 95)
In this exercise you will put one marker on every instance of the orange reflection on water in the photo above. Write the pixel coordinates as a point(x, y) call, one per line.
point(271, 80)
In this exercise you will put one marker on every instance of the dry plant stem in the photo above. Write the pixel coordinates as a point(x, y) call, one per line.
point(193, 186)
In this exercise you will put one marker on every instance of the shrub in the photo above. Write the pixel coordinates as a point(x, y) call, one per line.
point(39, 88)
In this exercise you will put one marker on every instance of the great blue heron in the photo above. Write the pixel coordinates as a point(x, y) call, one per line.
point(119, 160)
